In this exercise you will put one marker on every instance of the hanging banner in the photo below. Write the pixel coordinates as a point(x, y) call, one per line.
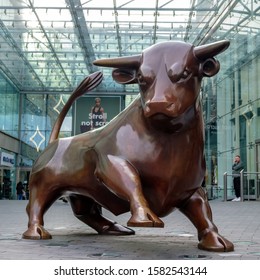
point(92, 112)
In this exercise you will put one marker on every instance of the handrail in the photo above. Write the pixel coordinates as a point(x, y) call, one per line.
point(254, 173)
point(242, 185)
point(242, 175)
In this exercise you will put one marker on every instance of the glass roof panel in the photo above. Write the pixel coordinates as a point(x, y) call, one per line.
point(49, 45)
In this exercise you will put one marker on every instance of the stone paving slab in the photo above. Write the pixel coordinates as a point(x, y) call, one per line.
point(237, 221)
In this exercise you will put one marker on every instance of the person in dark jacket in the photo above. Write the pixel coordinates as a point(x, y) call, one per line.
point(236, 169)
point(20, 191)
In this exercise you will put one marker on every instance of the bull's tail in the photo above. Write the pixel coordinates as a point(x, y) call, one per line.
point(87, 84)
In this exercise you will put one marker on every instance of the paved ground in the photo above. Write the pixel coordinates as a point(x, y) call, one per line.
point(237, 221)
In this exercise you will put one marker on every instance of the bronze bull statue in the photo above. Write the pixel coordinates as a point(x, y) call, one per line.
point(148, 160)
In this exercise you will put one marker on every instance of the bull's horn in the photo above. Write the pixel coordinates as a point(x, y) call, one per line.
point(120, 62)
point(205, 51)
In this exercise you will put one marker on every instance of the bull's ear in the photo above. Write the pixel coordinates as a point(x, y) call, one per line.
point(209, 67)
point(124, 76)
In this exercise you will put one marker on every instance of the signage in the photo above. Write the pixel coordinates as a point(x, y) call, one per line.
point(7, 159)
point(86, 119)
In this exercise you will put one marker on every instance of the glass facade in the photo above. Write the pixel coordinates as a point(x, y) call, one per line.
point(39, 112)
point(9, 107)
point(232, 110)
point(26, 122)
point(47, 48)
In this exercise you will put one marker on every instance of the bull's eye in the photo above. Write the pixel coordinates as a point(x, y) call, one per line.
point(185, 75)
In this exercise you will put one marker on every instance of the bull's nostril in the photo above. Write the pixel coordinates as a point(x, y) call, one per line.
point(147, 109)
point(171, 107)
point(147, 106)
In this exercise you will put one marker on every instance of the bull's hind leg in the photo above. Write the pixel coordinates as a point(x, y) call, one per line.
point(39, 202)
point(198, 210)
point(90, 213)
point(123, 179)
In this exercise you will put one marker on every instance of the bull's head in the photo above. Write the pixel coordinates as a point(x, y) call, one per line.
point(169, 75)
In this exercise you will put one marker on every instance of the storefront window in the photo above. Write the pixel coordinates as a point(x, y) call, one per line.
point(7, 175)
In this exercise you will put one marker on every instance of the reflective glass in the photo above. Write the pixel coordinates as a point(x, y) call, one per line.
point(9, 108)
point(47, 48)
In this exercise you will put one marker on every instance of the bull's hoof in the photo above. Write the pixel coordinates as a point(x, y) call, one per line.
point(116, 229)
point(212, 241)
point(145, 220)
point(36, 232)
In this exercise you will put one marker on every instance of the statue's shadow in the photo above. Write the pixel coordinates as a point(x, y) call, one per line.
point(137, 247)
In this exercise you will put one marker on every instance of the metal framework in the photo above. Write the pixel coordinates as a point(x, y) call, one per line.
point(48, 46)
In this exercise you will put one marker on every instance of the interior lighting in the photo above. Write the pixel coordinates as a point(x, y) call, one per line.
point(32, 138)
point(60, 103)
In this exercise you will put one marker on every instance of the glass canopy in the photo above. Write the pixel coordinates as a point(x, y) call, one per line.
point(48, 46)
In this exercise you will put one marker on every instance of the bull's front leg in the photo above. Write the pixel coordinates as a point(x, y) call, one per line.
point(198, 210)
point(123, 179)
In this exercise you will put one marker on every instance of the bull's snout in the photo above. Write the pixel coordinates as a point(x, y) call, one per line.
point(160, 107)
